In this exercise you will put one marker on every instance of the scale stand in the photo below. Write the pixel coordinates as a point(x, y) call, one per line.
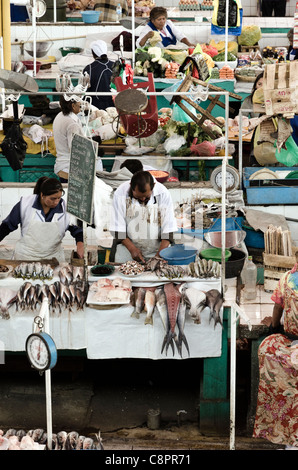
point(42, 354)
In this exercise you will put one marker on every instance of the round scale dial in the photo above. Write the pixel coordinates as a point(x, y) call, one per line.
point(41, 351)
point(232, 178)
point(40, 8)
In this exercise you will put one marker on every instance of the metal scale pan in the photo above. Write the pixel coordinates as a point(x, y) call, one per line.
point(233, 237)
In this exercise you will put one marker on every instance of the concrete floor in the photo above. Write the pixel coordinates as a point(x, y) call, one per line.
point(113, 397)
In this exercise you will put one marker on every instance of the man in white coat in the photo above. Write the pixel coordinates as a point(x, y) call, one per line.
point(143, 221)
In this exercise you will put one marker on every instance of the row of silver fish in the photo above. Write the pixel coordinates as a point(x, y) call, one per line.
point(200, 268)
point(60, 296)
point(203, 268)
point(33, 271)
point(162, 269)
point(69, 273)
point(60, 441)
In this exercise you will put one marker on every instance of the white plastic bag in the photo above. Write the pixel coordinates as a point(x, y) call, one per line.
point(106, 132)
point(174, 142)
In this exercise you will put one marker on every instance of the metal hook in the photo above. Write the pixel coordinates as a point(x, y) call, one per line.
point(13, 97)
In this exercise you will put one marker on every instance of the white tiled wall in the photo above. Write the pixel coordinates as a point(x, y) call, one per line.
point(74, 34)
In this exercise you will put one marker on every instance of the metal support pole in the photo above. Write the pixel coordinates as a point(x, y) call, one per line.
point(235, 309)
point(233, 378)
point(44, 314)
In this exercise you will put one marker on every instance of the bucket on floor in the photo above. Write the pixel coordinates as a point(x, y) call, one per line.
point(153, 419)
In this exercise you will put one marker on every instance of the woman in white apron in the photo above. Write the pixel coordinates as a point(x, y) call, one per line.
point(44, 221)
point(143, 220)
point(66, 124)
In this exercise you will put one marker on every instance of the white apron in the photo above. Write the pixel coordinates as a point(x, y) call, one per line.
point(143, 229)
point(41, 241)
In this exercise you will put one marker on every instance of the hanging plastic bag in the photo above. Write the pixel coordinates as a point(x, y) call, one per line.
point(14, 147)
point(250, 35)
point(218, 21)
point(178, 114)
point(288, 157)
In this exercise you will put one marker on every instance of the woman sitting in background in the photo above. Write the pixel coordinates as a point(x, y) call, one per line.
point(277, 409)
point(247, 102)
point(169, 34)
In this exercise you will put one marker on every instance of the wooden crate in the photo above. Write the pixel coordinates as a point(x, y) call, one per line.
point(274, 268)
point(249, 48)
point(280, 85)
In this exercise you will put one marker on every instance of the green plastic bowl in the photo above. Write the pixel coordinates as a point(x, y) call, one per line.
point(70, 50)
point(214, 254)
point(102, 270)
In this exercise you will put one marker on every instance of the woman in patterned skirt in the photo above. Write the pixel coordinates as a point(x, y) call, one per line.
point(277, 408)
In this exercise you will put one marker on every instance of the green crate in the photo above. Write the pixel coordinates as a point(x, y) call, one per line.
point(31, 176)
point(7, 175)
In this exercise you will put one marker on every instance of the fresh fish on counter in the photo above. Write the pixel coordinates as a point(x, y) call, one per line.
point(59, 296)
point(195, 299)
point(71, 440)
point(61, 439)
point(139, 302)
point(37, 440)
point(150, 301)
point(79, 443)
point(173, 296)
point(161, 304)
point(214, 300)
point(33, 271)
point(7, 298)
point(202, 268)
point(180, 324)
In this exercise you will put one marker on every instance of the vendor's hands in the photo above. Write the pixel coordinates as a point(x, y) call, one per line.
point(137, 255)
point(150, 34)
point(135, 252)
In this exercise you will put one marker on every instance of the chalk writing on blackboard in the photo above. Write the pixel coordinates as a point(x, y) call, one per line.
point(81, 178)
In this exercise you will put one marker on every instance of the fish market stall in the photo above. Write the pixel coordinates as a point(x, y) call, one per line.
point(122, 331)
point(102, 326)
point(139, 330)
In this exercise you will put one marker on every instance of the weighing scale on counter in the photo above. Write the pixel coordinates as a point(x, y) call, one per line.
point(235, 234)
point(42, 354)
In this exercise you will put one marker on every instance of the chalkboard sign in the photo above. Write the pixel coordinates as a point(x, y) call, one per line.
point(81, 178)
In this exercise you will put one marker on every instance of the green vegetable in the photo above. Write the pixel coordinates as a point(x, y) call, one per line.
point(142, 55)
point(188, 130)
point(184, 151)
point(221, 57)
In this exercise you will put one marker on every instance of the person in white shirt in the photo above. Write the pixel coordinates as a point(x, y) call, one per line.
point(143, 220)
point(169, 33)
point(66, 124)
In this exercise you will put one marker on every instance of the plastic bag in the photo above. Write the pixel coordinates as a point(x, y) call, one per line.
point(14, 147)
point(175, 142)
point(288, 157)
point(106, 132)
point(250, 35)
point(178, 114)
point(221, 14)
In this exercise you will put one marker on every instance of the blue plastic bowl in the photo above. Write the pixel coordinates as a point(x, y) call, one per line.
point(90, 16)
point(178, 254)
